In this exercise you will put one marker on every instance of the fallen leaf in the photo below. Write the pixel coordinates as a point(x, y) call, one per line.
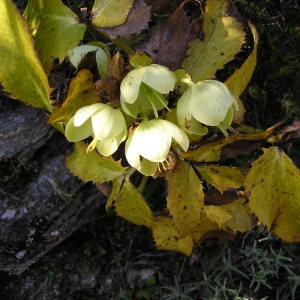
point(214, 197)
point(169, 39)
point(274, 187)
point(137, 20)
point(158, 6)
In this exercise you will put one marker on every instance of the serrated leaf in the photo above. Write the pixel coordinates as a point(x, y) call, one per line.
point(131, 206)
point(21, 72)
point(185, 198)
point(110, 13)
point(230, 218)
point(211, 149)
point(55, 27)
point(274, 187)
point(166, 237)
point(223, 178)
point(223, 38)
point(80, 93)
point(116, 188)
point(91, 166)
point(241, 77)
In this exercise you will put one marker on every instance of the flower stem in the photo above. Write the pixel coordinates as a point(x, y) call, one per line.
point(129, 172)
point(142, 184)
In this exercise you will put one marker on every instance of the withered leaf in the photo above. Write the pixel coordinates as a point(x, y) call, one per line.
point(169, 39)
point(158, 6)
point(115, 66)
point(89, 62)
point(109, 84)
point(137, 20)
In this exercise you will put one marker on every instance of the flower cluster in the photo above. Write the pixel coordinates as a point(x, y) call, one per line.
point(142, 96)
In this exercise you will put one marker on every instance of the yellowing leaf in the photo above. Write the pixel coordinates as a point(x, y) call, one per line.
point(91, 166)
point(230, 218)
point(274, 187)
point(185, 198)
point(211, 149)
point(241, 77)
point(110, 13)
point(166, 237)
point(116, 187)
point(223, 38)
point(55, 27)
point(223, 178)
point(80, 93)
point(131, 206)
point(21, 72)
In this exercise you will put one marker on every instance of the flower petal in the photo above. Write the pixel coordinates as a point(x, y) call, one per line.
point(75, 134)
point(148, 167)
point(130, 85)
point(85, 112)
point(132, 152)
point(183, 111)
point(131, 109)
point(208, 105)
point(107, 123)
point(160, 78)
point(175, 132)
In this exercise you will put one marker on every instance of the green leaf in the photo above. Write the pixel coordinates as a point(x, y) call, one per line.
point(80, 93)
point(185, 198)
point(223, 38)
point(241, 77)
point(110, 13)
point(211, 149)
point(116, 187)
point(223, 178)
point(55, 27)
point(166, 237)
point(131, 206)
point(274, 187)
point(91, 166)
point(230, 218)
point(21, 72)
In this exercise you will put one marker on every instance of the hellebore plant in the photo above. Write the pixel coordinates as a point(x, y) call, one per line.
point(206, 102)
point(143, 89)
point(151, 141)
point(104, 123)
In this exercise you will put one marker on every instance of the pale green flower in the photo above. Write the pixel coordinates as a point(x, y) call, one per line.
point(207, 102)
point(150, 143)
point(105, 124)
point(144, 87)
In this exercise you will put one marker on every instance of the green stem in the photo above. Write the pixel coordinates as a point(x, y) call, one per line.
point(142, 184)
point(129, 172)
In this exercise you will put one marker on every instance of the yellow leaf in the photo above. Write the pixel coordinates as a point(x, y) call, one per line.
point(110, 13)
point(223, 38)
point(80, 93)
point(131, 206)
point(241, 77)
point(274, 187)
point(230, 218)
point(116, 187)
point(55, 27)
point(21, 72)
point(185, 198)
point(211, 149)
point(91, 166)
point(223, 178)
point(166, 237)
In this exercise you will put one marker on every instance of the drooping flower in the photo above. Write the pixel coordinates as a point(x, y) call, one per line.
point(105, 124)
point(150, 143)
point(144, 87)
point(207, 102)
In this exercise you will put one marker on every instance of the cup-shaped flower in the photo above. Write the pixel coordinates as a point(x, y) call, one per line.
point(150, 142)
point(104, 123)
point(144, 87)
point(207, 102)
